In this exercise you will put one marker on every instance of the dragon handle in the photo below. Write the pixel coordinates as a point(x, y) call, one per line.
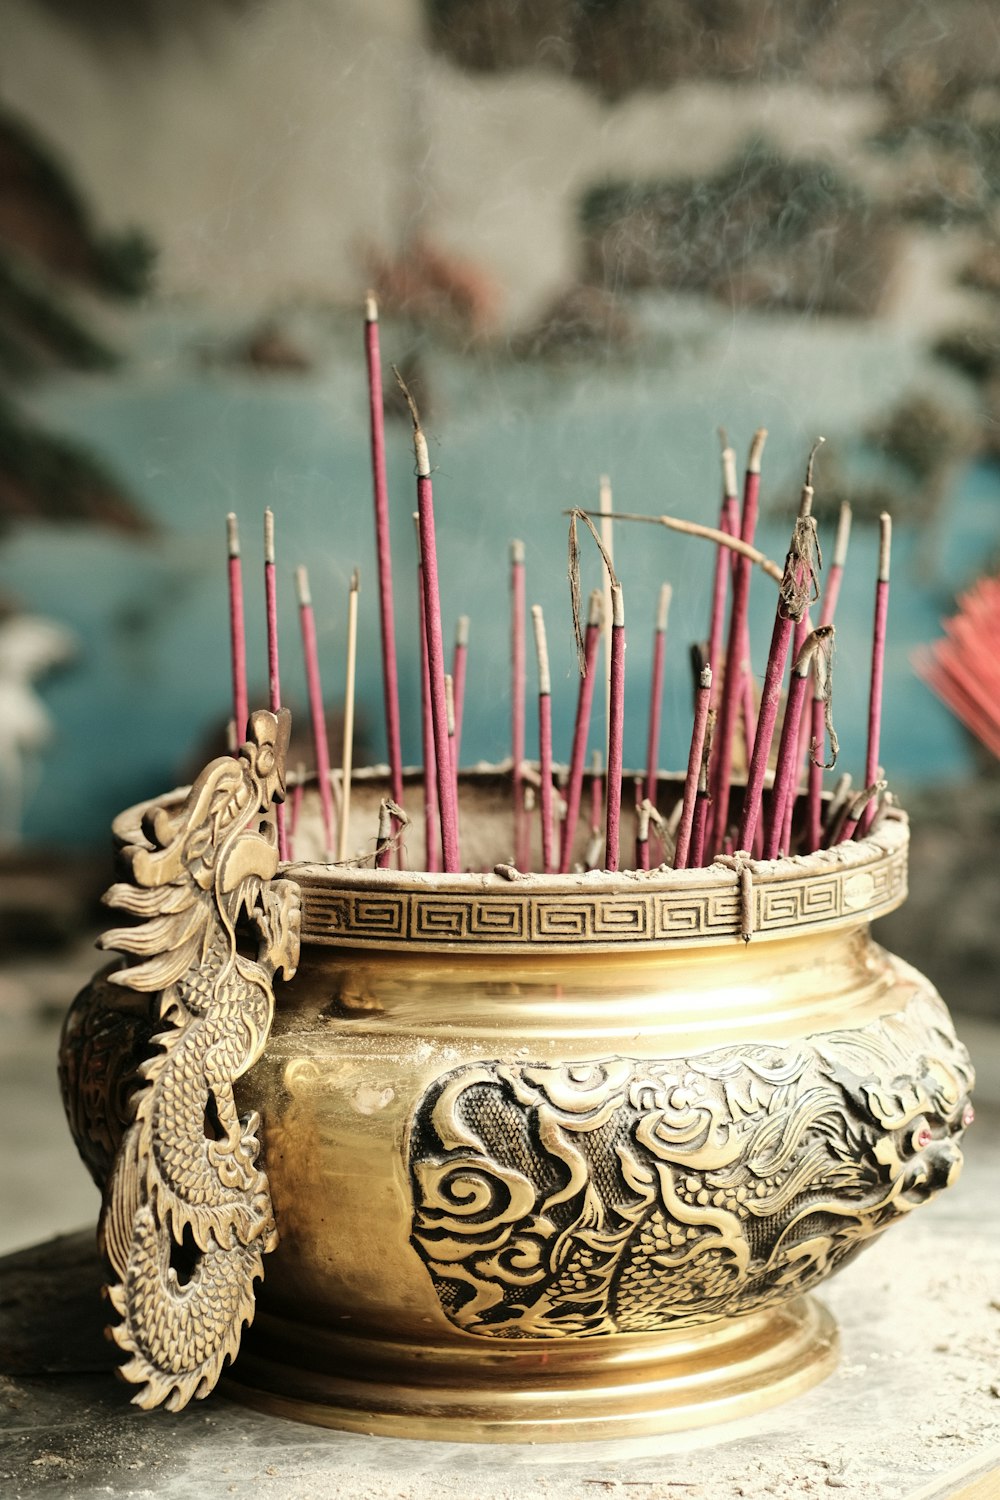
point(186, 1217)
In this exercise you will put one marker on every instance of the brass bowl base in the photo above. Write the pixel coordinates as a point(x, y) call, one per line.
point(563, 1391)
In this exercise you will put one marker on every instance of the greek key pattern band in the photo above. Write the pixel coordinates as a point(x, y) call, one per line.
point(355, 912)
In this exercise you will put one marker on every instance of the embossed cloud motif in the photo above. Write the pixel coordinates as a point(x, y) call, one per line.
point(187, 1217)
point(627, 1196)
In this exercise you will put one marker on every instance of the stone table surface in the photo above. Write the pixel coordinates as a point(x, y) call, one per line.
point(913, 1409)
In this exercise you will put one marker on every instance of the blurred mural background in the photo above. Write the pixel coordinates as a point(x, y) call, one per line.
point(599, 229)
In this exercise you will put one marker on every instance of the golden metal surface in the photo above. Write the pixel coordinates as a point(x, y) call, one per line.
point(528, 1186)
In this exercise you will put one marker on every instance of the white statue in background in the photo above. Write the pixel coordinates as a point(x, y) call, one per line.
point(30, 647)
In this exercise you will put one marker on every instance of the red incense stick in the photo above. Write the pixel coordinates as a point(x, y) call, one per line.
point(459, 663)
point(732, 686)
point(615, 729)
point(728, 520)
point(581, 729)
point(787, 770)
point(656, 691)
point(237, 632)
point(273, 675)
point(703, 703)
point(427, 731)
point(544, 734)
point(347, 754)
point(522, 845)
point(317, 714)
point(792, 601)
point(878, 663)
point(383, 550)
point(449, 701)
point(447, 801)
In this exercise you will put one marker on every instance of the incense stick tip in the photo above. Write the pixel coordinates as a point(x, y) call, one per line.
point(302, 586)
point(541, 649)
point(371, 307)
point(705, 680)
point(729, 473)
point(757, 450)
point(462, 630)
point(595, 608)
point(422, 456)
point(269, 555)
point(843, 535)
point(617, 605)
point(884, 546)
point(517, 552)
point(355, 587)
point(663, 606)
point(233, 534)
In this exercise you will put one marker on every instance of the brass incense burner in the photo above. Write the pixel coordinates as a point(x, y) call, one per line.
point(540, 1157)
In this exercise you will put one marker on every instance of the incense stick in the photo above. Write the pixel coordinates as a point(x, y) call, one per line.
point(732, 685)
point(703, 801)
point(615, 728)
point(720, 577)
point(237, 630)
point(813, 722)
point(855, 811)
point(656, 691)
point(273, 674)
point(878, 662)
point(703, 702)
point(383, 550)
point(642, 834)
point(347, 757)
point(604, 505)
point(544, 734)
point(317, 713)
point(581, 729)
point(459, 663)
point(449, 703)
point(431, 860)
point(793, 599)
point(787, 769)
point(522, 845)
point(447, 802)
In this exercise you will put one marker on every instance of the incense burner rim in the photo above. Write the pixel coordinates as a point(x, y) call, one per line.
point(733, 899)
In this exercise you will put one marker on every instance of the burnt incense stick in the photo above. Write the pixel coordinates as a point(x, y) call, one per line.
point(237, 630)
point(735, 543)
point(656, 691)
point(273, 673)
point(447, 801)
point(732, 686)
point(797, 590)
point(839, 798)
point(431, 860)
point(642, 834)
point(878, 663)
point(581, 729)
point(317, 713)
point(544, 735)
point(347, 757)
point(383, 550)
point(816, 714)
point(459, 663)
point(703, 801)
point(682, 847)
point(522, 842)
point(391, 822)
point(615, 729)
point(855, 811)
point(787, 770)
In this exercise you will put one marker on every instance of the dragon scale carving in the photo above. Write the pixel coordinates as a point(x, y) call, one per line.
point(627, 1196)
point(186, 1217)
